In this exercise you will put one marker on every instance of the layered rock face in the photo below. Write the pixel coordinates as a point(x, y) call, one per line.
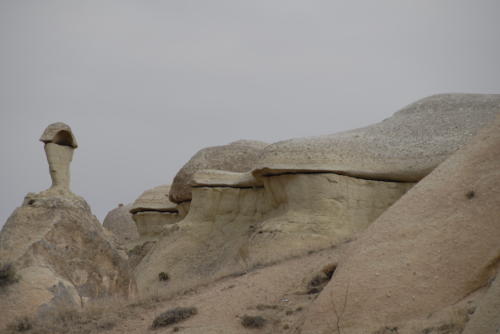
point(427, 260)
point(210, 242)
point(316, 211)
point(119, 221)
point(235, 224)
point(242, 220)
point(153, 210)
point(238, 156)
point(404, 147)
point(57, 250)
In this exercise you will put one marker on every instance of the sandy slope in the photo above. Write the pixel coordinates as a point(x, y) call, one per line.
point(278, 293)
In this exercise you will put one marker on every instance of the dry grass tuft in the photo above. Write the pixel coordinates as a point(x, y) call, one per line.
point(96, 317)
point(249, 321)
point(173, 316)
point(7, 275)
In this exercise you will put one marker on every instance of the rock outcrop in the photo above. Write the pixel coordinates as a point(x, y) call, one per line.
point(153, 210)
point(404, 147)
point(317, 211)
point(119, 221)
point(239, 220)
point(424, 263)
point(238, 156)
point(486, 318)
point(235, 223)
point(212, 241)
point(56, 250)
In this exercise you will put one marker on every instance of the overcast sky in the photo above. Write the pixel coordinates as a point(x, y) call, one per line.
point(145, 84)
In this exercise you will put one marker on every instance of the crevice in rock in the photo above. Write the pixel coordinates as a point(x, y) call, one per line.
point(228, 186)
point(297, 172)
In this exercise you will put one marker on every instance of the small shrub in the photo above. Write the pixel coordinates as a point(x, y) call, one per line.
point(319, 281)
point(249, 321)
point(329, 270)
point(7, 275)
point(20, 325)
point(163, 276)
point(387, 330)
point(470, 194)
point(313, 291)
point(173, 316)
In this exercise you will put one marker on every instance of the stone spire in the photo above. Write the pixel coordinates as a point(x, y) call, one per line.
point(59, 144)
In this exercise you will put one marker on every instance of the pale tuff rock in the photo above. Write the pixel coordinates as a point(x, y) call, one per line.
point(430, 251)
point(59, 133)
point(155, 199)
point(316, 211)
point(119, 221)
point(238, 156)
point(210, 242)
point(153, 210)
point(59, 144)
point(219, 178)
point(231, 229)
point(404, 147)
point(485, 318)
point(60, 255)
point(58, 249)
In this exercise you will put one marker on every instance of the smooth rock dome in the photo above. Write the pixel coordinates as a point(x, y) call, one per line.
point(238, 156)
point(120, 222)
point(404, 147)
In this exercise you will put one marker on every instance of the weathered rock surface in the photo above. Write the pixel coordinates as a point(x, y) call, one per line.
point(486, 318)
point(238, 156)
point(316, 211)
point(230, 229)
point(61, 255)
point(218, 178)
point(210, 242)
point(404, 147)
point(59, 133)
point(119, 221)
point(155, 199)
point(56, 250)
point(59, 144)
point(432, 250)
point(153, 210)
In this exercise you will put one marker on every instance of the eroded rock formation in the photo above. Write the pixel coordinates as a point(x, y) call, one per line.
point(317, 211)
point(426, 261)
point(238, 156)
point(119, 221)
point(235, 223)
point(59, 144)
point(58, 251)
point(239, 220)
point(405, 147)
point(152, 211)
point(210, 242)
point(485, 318)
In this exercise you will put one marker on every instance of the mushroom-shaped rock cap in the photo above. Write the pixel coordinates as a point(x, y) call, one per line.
point(238, 156)
point(404, 147)
point(59, 133)
point(155, 199)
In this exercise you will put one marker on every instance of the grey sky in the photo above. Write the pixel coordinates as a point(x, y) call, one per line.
point(145, 84)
